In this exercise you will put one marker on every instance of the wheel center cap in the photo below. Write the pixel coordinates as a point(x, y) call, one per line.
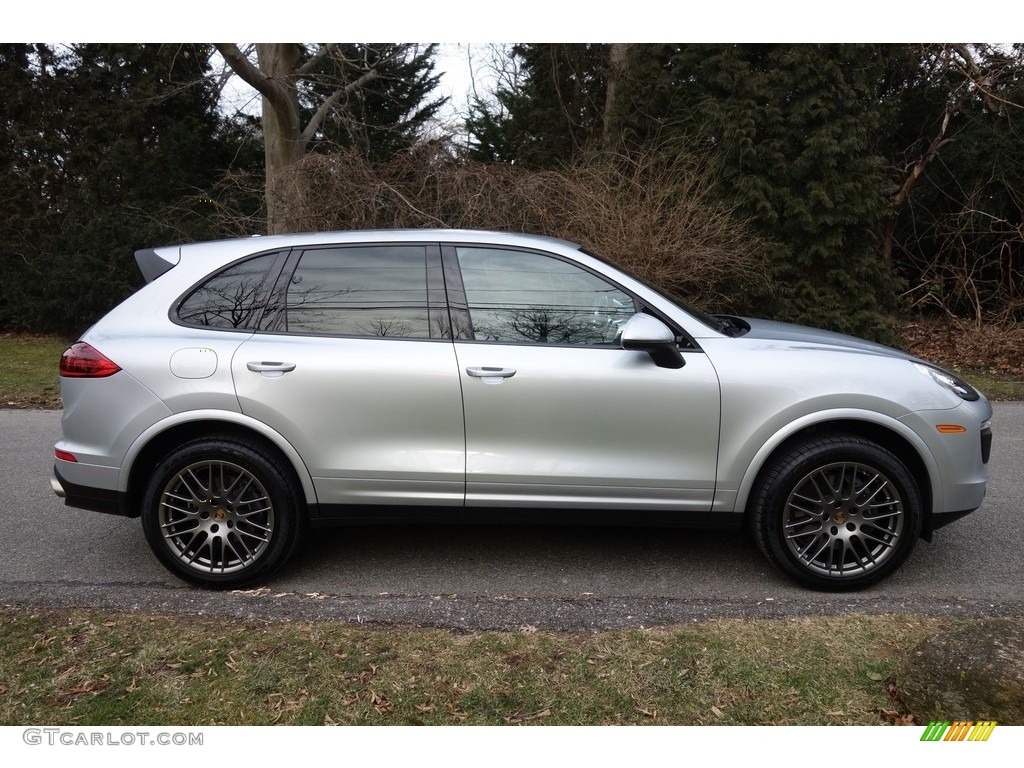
point(220, 514)
point(839, 517)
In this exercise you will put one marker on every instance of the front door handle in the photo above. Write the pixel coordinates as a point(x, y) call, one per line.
point(266, 367)
point(491, 375)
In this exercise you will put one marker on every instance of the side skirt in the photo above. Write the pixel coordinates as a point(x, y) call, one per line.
point(327, 515)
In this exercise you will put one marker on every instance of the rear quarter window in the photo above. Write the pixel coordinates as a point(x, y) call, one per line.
point(233, 298)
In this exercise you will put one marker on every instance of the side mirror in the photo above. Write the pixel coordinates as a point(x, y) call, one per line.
point(648, 334)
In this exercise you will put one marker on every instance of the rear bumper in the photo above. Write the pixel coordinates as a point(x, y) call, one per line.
point(937, 520)
point(93, 499)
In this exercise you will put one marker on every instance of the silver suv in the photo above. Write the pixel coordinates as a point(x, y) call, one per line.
point(256, 387)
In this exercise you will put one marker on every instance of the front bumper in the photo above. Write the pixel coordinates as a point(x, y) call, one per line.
point(960, 474)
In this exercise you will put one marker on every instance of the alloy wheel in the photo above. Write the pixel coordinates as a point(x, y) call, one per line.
point(843, 519)
point(216, 517)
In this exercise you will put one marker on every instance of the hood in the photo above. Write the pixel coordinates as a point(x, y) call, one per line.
point(774, 331)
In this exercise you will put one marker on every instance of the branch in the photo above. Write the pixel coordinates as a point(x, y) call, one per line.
point(332, 101)
point(315, 59)
point(981, 81)
point(937, 143)
point(242, 66)
point(274, 92)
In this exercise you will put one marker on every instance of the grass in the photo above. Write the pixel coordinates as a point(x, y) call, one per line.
point(994, 386)
point(100, 668)
point(28, 371)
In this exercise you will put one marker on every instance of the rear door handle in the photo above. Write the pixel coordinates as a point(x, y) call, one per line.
point(267, 367)
point(487, 372)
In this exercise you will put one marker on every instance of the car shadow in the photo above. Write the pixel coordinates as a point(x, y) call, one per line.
point(528, 560)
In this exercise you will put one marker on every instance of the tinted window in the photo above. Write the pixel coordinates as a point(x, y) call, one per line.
point(361, 291)
point(518, 296)
point(233, 298)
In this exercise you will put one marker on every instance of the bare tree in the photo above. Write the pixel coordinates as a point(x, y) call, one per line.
point(654, 213)
point(957, 65)
point(546, 325)
point(226, 303)
point(387, 326)
point(279, 70)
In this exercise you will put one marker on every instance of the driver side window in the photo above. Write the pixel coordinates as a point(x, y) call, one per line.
point(523, 297)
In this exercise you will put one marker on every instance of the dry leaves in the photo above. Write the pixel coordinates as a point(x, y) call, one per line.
point(895, 718)
point(72, 694)
point(516, 718)
point(281, 706)
point(966, 345)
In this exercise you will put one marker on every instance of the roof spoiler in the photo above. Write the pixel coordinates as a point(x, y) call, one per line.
point(153, 262)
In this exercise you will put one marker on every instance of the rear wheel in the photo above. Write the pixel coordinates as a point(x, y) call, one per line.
point(222, 512)
point(837, 513)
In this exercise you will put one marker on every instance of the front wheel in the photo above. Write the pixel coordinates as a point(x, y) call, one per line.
point(222, 512)
point(836, 513)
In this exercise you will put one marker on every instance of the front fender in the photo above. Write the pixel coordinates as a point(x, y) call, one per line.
point(748, 468)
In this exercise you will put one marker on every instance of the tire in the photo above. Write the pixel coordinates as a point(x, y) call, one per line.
point(837, 513)
point(222, 512)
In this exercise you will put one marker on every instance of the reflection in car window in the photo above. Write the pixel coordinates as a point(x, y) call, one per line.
point(360, 291)
point(524, 297)
point(233, 298)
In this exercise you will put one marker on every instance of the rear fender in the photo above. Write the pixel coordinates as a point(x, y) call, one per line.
point(223, 417)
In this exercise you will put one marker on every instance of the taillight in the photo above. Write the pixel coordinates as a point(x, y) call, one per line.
point(63, 455)
point(84, 361)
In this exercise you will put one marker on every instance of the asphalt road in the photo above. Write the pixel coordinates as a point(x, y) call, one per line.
point(500, 577)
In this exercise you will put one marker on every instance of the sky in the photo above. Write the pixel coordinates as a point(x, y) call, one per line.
point(465, 69)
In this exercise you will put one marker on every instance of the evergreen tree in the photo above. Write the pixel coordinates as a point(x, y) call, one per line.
point(389, 113)
point(116, 154)
point(556, 112)
point(795, 130)
point(25, 183)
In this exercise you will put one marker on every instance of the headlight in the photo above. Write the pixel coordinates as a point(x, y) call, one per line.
point(953, 383)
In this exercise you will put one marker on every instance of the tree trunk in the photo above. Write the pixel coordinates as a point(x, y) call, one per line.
point(285, 139)
point(618, 63)
point(282, 133)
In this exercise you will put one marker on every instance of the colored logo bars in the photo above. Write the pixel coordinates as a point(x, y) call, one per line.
point(958, 730)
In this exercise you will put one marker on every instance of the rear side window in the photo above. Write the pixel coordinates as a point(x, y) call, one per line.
point(233, 298)
point(378, 291)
